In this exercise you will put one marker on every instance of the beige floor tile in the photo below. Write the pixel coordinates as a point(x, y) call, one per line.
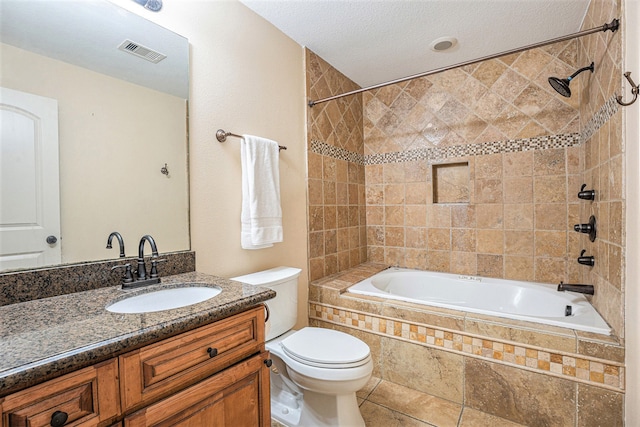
point(275, 423)
point(379, 416)
point(473, 418)
point(415, 404)
point(365, 391)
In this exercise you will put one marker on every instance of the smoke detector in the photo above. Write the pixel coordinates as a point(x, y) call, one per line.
point(141, 51)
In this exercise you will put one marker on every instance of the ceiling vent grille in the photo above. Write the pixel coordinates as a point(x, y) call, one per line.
point(141, 51)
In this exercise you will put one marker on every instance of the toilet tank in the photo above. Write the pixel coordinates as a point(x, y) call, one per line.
point(283, 309)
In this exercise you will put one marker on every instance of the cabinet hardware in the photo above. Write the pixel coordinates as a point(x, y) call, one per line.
point(58, 419)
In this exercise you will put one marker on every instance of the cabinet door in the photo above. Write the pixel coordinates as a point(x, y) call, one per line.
point(88, 397)
point(161, 369)
point(235, 397)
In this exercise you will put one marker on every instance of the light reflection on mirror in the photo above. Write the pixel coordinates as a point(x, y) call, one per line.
point(120, 119)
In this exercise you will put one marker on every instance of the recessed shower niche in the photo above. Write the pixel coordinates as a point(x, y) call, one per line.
point(451, 182)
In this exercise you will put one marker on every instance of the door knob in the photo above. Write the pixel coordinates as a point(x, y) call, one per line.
point(51, 240)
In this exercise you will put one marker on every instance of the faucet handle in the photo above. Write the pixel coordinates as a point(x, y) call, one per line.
point(154, 267)
point(127, 277)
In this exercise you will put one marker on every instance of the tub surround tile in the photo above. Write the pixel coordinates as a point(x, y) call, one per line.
point(526, 398)
point(440, 374)
point(598, 407)
point(543, 349)
point(565, 342)
point(26, 285)
point(417, 313)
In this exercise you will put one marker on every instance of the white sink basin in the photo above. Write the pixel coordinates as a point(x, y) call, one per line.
point(165, 299)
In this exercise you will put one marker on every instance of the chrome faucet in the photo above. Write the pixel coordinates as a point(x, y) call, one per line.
point(120, 242)
point(142, 271)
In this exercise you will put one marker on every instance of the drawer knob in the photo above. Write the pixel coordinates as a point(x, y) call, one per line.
point(212, 352)
point(58, 419)
point(268, 362)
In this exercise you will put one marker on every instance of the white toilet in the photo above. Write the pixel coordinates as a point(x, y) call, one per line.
point(316, 372)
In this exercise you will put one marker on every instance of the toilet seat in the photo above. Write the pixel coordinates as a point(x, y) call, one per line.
point(325, 348)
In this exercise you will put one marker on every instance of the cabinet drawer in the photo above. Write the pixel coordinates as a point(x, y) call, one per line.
point(163, 368)
point(88, 397)
point(235, 397)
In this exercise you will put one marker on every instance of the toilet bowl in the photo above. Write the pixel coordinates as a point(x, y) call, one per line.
point(316, 372)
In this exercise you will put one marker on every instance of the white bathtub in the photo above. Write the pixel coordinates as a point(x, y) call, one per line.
point(534, 302)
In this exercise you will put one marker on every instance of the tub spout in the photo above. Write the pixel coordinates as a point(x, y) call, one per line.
point(583, 289)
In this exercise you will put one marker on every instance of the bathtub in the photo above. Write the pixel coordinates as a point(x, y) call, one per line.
point(533, 302)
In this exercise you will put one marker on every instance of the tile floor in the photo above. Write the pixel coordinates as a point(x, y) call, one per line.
point(385, 404)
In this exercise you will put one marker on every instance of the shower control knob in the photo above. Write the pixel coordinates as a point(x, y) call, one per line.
point(586, 194)
point(588, 228)
point(586, 260)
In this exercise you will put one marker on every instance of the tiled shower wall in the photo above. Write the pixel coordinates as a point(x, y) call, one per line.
point(337, 235)
point(475, 170)
point(489, 185)
point(603, 150)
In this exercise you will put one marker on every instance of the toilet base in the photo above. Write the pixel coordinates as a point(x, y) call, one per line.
point(319, 410)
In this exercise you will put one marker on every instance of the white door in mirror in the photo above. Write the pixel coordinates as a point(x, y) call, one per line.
point(30, 211)
point(165, 299)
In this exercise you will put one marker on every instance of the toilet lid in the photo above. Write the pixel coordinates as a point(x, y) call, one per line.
point(325, 347)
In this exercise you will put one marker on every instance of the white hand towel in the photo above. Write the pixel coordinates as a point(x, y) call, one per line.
point(261, 215)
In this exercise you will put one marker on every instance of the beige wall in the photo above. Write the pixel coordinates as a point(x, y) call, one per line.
point(631, 13)
point(246, 77)
point(114, 137)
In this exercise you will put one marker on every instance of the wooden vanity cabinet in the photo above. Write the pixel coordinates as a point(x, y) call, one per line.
point(87, 397)
point(233, 397)
point(214, 375)
point(159, 370)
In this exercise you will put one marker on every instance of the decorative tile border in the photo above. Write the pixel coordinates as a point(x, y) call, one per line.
point(432, 154)
point(579, 368)
point(325, 149)
point(605, 112)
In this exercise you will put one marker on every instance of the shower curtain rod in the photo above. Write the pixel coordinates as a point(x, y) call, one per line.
point(613, 26)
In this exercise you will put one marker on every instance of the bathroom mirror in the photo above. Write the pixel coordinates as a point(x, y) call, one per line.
point(121, 119)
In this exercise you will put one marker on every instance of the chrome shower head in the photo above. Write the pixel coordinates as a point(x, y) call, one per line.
point(562, 85)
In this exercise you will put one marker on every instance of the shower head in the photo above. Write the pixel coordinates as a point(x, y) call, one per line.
point(562, 85)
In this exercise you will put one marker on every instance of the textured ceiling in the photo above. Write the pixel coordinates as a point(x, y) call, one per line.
point(87, 33)
point(376, 41)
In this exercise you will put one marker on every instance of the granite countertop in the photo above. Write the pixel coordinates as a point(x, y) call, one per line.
point(46, 338)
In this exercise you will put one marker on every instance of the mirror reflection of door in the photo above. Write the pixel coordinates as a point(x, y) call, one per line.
point(29, 181)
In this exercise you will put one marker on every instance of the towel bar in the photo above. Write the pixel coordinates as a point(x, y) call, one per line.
point(221, 136)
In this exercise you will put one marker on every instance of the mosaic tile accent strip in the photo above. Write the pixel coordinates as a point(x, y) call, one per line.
point(435, 154)
point(324, 149)
point(605, 112)
point(579, 368)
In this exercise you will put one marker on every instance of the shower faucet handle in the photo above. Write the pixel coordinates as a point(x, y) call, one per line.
point(588, 228)
point(586, 194)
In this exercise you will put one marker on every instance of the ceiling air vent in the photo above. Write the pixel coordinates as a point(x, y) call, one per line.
point(141, 51)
